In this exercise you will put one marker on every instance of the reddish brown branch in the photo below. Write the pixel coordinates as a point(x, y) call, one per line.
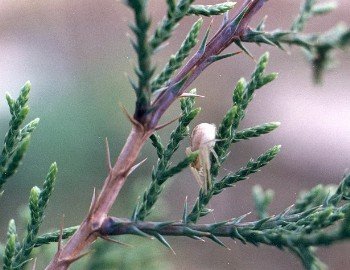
point(88, 230)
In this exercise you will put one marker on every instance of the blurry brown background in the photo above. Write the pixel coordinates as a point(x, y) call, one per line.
point(76, 54)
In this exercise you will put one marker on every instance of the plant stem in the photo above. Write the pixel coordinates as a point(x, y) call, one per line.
point(88, 230)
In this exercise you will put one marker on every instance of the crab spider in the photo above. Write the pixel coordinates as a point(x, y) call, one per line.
point(203, 141)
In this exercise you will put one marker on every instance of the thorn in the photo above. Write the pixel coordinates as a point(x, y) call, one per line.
point(236, 21)
point(280, 46)
point(163, 224)
point(190, 95)
point(161, 47)
point(60, 237)
point(76, 258)
point(133, 85)
point(175, 88)
point(287, 210)
point(192, 232)
point(108, 155)
point(215, 58)
point(261, 25)
point(196, 238)
point(240, 218)
point(238, 236)
point(131, 119)
point(136, 210)
point(245, 50)
point(218, 241)
point(136, 231)
point(261, 222)
point(133, 168)
point(93, 203)
point(204, 42)
point(115, 241)
point(163, 241)
point(159, 91)
point(218, 224)
point(268, 41)
point(34, 264)
point(184, 215)
point(167, 124)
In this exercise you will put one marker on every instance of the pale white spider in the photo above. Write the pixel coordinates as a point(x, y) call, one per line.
point(203, 141)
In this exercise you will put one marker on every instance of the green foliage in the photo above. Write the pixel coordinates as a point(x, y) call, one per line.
point(17, 254)
point(10, 245)
point(256, 131)
point(176, 61)
point(144, 71)
point(169, 23)
point(17, 138)
point(210, 10)
point(38, 200)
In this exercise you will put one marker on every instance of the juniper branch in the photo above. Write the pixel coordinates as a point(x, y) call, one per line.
point(282, 230)
point(278, 230)
point(296, 231)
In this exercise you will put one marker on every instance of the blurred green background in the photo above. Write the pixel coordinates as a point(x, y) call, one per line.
point(76, 55)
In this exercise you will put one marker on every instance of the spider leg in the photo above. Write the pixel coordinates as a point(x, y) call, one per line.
point(194, 170)
point(197, 176)
point(205, 162)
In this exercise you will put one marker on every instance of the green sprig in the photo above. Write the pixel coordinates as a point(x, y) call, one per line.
point(224, 138)
point(252, 166)
point(16, 139)
point(38, 200)
point(10, 248)
point(304, 15)
point(210, 10)
point(169, 23)
point(144, 70)
point(255, 131)
point(176, 61)
point(53, 237)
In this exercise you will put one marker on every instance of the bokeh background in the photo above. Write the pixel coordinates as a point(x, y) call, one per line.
point(77, 54)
